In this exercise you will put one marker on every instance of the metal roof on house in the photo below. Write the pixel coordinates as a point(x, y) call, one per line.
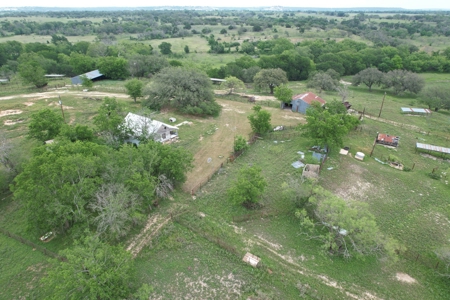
point(217, 79)
point(142, 125)
point(432, 148)
point(4, 80)
point(308, 98)
point(416, 110)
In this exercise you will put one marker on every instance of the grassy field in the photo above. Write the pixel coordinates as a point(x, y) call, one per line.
point(198, 254)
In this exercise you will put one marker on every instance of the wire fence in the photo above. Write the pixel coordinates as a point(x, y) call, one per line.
point(11, 88)
point(430, 262)
point(35, 246)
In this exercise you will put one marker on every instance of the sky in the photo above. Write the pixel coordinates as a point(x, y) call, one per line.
point(408, 4)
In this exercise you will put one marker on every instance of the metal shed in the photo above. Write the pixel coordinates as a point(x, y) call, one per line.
point(433, 148)
point(90, 75)
point(416, 111)
point(300, 103)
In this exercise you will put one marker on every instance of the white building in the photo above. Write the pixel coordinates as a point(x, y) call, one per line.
point(139, 126)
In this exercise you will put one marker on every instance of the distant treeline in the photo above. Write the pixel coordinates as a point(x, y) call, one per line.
point(171, 22)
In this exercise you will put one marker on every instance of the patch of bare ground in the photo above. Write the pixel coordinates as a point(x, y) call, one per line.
point(154, 223)
point(353, 185)
point(402, 277)
point(198, 285)
point(57, 93)
point(9, 112)
point(12, 122)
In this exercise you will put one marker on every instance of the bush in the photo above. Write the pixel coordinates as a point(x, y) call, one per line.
point(434, 176)
point(240, 144)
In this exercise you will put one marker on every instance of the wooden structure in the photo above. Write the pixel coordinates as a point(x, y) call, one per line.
point(388, 140)
point(251, 259)
point(311, 171)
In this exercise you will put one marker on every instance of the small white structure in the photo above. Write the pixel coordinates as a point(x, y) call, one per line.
point(359, 155)
point(343, 151)
point(137, 126)
point(251, 259)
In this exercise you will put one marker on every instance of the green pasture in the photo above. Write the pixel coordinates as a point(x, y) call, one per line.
point(194, 251)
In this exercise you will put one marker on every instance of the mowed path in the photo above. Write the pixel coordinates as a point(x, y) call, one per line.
point(219, 145)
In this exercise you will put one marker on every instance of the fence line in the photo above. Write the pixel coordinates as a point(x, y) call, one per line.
point(213, 239)
point(45, 251)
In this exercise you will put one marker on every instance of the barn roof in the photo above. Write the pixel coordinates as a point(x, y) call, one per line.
point(308, 98)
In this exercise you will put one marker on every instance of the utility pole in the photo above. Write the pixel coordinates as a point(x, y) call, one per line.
point(382, 104)
point(374, 143)
point(62, 110)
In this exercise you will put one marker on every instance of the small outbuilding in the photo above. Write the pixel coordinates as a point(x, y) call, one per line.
point(416, 111)
point(388, 140)
point(92, 75)
point(301, 102)
point(137, 126)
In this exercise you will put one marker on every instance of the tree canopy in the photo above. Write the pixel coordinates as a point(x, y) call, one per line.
point(31, 71)
point(134, 88)
point(327, 127)
point(259, 120)
point(45, 125)
point(345, 228)
point(187, 90)
point(248, 187)
point(232, 83)
point(283, 93)
point(369, 77)
point(270, 78)
point(435, 97)
point(323, 81)
point(93, 270)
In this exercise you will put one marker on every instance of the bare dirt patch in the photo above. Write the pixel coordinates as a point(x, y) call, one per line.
point(28, 103)
point(405, 278)
point(10, 112)
point(12, 122)
point(154, 224)
point(57, 93)
point(353, 186)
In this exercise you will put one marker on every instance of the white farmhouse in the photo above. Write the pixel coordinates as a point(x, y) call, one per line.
point(139, 126)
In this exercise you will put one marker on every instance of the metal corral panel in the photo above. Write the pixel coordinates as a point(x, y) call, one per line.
point(416, 110)
point(432, 148)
